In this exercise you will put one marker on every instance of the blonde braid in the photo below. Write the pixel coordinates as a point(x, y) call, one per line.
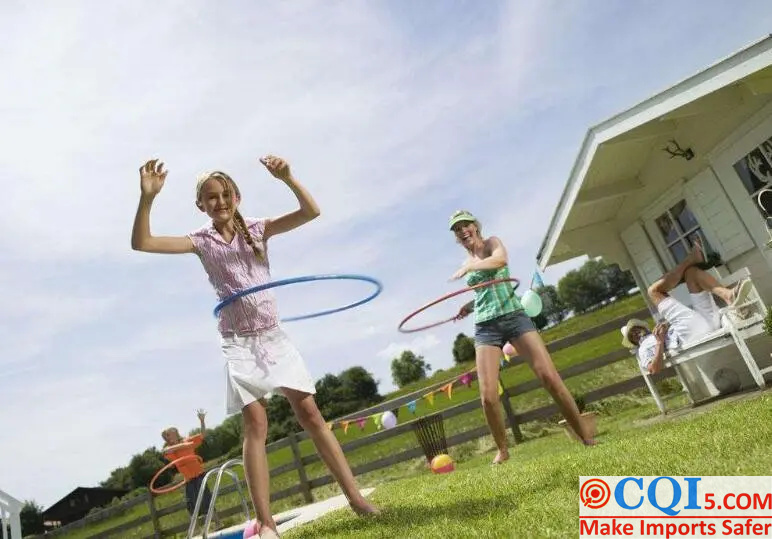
point(241, 227)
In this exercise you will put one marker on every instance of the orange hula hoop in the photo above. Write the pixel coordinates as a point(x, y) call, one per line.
point(401, 327)
point(164, 490)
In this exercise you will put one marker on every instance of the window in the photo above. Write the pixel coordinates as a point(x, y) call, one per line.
point(679, 229)
point(755, 170)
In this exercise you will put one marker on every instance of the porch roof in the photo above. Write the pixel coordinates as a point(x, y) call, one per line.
point(615, 153)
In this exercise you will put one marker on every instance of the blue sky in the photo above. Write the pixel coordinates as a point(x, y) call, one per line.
point(393, 115)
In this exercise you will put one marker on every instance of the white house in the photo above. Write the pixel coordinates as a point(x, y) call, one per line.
point(10, 515)
point(631, 201)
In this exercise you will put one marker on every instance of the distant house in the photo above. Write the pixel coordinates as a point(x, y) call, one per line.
point(78, 503)
point(686, 163)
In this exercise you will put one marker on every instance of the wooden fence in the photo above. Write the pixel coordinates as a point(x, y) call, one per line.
point(305, 486)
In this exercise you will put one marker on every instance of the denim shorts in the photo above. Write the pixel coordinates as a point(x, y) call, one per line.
point(499, 331)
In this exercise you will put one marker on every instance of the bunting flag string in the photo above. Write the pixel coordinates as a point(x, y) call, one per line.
point(462, 381)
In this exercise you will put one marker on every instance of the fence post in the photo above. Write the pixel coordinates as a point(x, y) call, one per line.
point(511, 414)
point(305, 487)
point(154, 515)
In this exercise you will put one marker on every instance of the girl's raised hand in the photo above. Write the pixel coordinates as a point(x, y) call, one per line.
point(277, 166)
point(152, 177)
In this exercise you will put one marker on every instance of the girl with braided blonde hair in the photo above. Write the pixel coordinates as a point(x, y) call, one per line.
point(260, 359)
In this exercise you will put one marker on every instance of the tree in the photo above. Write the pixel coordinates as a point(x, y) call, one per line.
point(617, 282)
point(540, 321)
point(359, 385)
point(463, 349)
point(553, 308)
point(31, 517)
point(408, 368)
point(583, 288)
point(281, 418)
point(327, 391)
point(144, 466)
point(593, 284)
point(120, 479)
point(221, 439)
point(353, 389)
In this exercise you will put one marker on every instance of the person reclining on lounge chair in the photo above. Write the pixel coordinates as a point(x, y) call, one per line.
point(681, 325)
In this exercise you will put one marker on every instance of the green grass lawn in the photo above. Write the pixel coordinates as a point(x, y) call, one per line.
point(535, 494)
point(564, 358)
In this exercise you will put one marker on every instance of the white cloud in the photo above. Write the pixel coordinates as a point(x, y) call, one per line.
point(365, 127)
point(31, 322)
point(419, 345)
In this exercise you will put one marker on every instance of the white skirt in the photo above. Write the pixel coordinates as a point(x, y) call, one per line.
point(255, 366)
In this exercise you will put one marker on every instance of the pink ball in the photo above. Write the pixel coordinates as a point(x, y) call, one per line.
point(509, 350)
point(252, 529)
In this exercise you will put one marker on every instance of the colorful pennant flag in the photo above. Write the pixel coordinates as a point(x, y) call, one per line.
point(465, 379)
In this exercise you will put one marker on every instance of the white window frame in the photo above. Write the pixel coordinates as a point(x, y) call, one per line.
point(681, 235)
point(722, 159)
point(667, 200)
point(649, 215)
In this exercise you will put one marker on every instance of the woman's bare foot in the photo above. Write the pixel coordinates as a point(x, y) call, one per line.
point(501, 456)
point(364, 508)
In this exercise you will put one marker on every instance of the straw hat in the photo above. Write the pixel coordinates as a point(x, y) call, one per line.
point(632, 323)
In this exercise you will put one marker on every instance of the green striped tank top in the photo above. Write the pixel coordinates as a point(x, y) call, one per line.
point(495, 300)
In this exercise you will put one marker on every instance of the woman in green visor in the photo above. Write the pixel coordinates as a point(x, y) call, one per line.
point(500, 319)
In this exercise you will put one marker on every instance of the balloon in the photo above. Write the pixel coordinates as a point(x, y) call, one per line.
point(531, 303)
point(388, 420)
point(442, 464)
point(509, 350)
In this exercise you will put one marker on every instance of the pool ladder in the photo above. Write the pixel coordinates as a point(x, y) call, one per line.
point(223, 469)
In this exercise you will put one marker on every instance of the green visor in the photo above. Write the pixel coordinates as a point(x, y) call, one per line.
point(459, 216)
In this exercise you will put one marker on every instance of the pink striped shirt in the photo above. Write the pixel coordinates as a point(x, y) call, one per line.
point(233, 267)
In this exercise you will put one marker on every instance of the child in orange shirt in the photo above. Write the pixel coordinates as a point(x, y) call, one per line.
point(192, 470)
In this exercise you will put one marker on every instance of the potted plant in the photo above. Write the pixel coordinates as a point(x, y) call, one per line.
point(589, 418)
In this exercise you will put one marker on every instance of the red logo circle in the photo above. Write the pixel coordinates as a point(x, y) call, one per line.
point(595, 493)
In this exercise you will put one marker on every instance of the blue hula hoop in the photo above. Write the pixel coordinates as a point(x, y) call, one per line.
point(273, 284)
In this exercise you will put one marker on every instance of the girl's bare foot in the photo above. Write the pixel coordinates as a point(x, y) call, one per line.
point(501, 456)
point(364, 508)
point(268, 533)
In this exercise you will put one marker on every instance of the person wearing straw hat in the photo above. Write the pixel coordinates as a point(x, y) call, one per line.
point(500, 319)
point(682, 325)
